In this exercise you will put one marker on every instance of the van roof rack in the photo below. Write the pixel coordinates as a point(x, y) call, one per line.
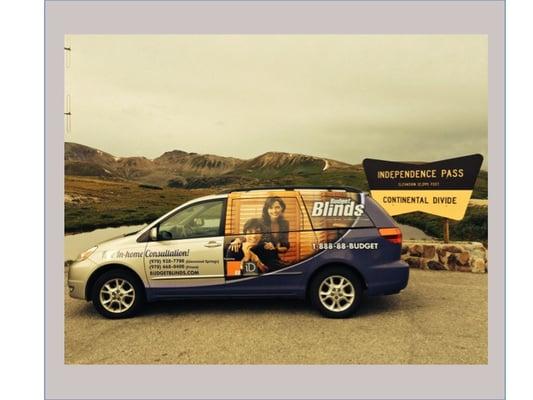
point(329, 188)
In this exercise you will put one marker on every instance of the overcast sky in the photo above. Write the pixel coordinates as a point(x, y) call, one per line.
point(346, 97)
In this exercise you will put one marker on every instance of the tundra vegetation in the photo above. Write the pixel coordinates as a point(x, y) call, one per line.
point(472, 228)
point(92, 203)
point(102, 190)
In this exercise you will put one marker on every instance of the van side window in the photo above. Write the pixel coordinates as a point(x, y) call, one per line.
point(196, 221)
point(288, 214)
point(332, 213)
point(336, 210)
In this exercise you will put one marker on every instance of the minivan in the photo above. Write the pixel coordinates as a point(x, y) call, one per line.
point(329, 245)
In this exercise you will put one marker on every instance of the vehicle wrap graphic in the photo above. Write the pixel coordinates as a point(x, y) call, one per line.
point(267, 231)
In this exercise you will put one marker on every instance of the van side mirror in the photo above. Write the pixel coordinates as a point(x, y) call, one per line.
point(153, 233)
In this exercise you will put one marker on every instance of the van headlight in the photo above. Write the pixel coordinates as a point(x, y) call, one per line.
point(85, 255)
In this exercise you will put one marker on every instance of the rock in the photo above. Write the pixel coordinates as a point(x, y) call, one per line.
point(463, 258)
point(428, 252)
point(416, 250)
point(478, 251)
point(442, 256)
point(452, 248)
point(448, 258)
point(478, 266)
point(414, 262)
point(436, 266)
point(451, 262)
point(437, 256)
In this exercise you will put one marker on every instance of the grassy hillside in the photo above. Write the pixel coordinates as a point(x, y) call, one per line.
point(473, 227)
point(481, 186)
point(310, 175)
point(92, 203)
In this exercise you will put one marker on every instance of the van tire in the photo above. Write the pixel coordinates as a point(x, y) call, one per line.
point(336, 292)
point(118, 294)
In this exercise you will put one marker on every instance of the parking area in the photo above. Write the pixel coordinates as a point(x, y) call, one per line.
point(441, 318)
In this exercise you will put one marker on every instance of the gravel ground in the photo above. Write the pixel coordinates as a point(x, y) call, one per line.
point(441, 318)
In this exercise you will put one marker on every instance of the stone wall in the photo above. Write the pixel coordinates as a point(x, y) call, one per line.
point(454, 256)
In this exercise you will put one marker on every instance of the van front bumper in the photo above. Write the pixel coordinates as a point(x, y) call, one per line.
point(76, 289)
point(78, 275)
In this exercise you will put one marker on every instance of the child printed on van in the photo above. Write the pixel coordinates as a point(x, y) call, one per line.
point(253, 248)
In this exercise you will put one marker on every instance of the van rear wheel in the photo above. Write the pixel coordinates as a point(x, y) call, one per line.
point(117, 294)
point(336, 292)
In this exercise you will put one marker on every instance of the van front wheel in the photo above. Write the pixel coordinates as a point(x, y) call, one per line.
point(117, 294)
point(336, 292)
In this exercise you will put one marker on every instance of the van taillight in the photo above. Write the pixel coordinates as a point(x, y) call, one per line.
point(393, 235)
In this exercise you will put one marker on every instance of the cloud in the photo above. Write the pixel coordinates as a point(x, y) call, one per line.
point(346, 97)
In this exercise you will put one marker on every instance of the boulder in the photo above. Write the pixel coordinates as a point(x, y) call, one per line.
point(453, 248)
point(414, 262)
point(416, 250)
point(428, 252)
point(436, 266)
point(451, 261)
point(463, 258)
point(478, 251)
point(478, 266)
point(455, 256)
point(442, 255)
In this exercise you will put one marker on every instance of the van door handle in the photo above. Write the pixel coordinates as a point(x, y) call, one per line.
point(212, 243)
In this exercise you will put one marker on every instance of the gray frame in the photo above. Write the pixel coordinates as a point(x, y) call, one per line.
point(262, 17)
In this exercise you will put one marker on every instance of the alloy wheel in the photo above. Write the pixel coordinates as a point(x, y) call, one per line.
point(117, 295)
point(336, 293)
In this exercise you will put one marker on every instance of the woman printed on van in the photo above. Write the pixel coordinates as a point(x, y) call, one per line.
point(276, 235)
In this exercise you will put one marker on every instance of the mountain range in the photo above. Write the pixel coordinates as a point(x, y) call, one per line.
point(178, 168)
point(181, 169)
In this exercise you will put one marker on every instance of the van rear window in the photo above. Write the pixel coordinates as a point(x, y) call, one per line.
point(280, 218)
point(336, 209)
